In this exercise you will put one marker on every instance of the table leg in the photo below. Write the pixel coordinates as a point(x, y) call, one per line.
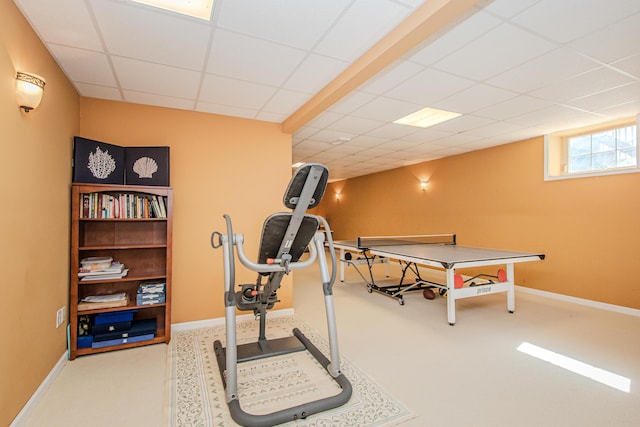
point(511, 293)
point(451, 299)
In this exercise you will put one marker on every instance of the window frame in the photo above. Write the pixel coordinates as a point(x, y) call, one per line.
point(556, 151)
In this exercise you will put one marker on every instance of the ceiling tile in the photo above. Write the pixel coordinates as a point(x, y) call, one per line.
point(629, 65)
point(612, 43)
point(351, 102)
point(351, 36)
point(435, 49)
point(450, 151)
point(417, 149)
point(154, 78)
point(566, 20)
point(474, 98)
point(461, 124)
point(400, 144)
point(222, 90)
point(556, 118)
point(84, 66)
point(285, 102)
point(314, 73)
point(624, 110)
point(72, 27)
point(426, 135)
point(456, 139)
point(100, 92)
point(355, 125)
point(386, 109)
point(226, 110)
point(428, 87)
point(151, 99)
point(392, 131)
point(492, 129)
point(253, 60)
point(552, 67)
point(330, 136)
point(585, 84)
point(315, 146)
point(513, 107)
point(151, 35)
point(496, 51)
point(266, 116)
point(305, 132)
point(297, 23)
point(390, 77)
point(607, 99)
point(342, 150)
point(364, 141)
point(507, 9)
point(324, 119)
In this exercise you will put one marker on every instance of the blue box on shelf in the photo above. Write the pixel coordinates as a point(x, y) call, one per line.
point(114, 317)
point(85, 341)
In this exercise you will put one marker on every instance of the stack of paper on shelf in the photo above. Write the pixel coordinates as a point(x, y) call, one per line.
point(151, 293)
point(93, 302)
point(115, 271)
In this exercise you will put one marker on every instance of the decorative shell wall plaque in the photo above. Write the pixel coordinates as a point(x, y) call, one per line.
point(101, 164)
point(145, 167)
point(97, 162)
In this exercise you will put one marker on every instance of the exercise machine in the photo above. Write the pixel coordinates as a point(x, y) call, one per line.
point(286, 237)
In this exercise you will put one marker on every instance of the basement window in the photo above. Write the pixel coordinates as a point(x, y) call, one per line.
point(603, 150)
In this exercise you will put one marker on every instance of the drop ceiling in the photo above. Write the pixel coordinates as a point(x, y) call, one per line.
point(514, 69)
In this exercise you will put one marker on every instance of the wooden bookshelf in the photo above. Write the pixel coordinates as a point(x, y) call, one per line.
point(141, 239)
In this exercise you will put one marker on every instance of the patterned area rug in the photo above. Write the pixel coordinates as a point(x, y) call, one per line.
point(196, 395)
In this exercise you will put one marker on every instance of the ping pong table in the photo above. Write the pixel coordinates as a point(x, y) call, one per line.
point(439, 252)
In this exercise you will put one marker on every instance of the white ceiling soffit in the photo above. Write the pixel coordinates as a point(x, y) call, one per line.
point(514, 69)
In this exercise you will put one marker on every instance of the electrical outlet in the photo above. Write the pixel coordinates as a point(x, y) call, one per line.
point(60, 317)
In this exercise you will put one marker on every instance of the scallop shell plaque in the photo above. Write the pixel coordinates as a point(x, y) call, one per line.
point(145, 167)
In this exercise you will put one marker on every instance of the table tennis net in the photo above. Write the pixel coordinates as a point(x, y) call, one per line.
point(422, 239)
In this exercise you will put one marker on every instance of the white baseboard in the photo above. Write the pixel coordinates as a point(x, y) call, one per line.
point(581, 301)
point(207, 323)
point(35, 397)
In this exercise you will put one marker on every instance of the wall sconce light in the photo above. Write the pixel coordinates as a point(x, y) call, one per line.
point(29, 90)
point(423, 185)
point(337, 196)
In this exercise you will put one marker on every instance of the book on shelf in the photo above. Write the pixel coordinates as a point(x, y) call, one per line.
point(123, 206)
point(94, 302)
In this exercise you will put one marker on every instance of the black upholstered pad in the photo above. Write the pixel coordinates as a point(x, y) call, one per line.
point(298, 181)
point(274, 230)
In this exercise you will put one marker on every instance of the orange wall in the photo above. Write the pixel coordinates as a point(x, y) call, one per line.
point(498, 198)
point(35, 171)
point(219, 165)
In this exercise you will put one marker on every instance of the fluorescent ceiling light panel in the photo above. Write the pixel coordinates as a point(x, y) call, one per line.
point(196, 8)
point(427, 117)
